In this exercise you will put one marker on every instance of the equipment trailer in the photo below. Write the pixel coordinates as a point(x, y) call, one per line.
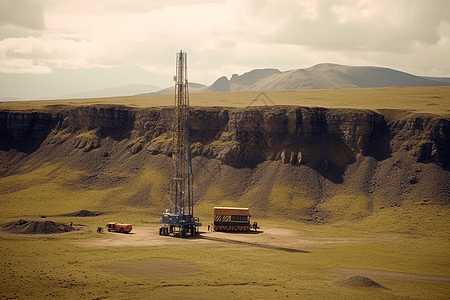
point(233, 219)
point(180, 219)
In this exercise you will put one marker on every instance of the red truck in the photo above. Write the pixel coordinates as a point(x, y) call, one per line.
point(122, 228)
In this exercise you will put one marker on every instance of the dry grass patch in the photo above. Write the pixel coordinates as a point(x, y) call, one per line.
point(215, 196)
point(347, 207)
point(156, 269)
point(286, 199)
point(48, 199)
point(54, 266)
point(55, 173)
point(434, 100)
point(53, 190)
point(45, 190)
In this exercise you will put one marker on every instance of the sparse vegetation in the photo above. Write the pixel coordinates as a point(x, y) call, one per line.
point(38, 266)
point(347, 207)
point(286, 200)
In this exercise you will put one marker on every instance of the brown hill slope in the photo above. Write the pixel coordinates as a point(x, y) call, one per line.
point(307, 163)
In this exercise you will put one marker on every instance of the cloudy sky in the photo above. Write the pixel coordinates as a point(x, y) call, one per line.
point(56, 47)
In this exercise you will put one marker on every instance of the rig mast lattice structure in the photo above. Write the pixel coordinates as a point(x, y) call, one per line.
point(180, 219)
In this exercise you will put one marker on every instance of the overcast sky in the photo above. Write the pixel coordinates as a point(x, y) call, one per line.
point(56, 47)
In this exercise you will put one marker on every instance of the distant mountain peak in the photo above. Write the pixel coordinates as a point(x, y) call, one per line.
point(222, 84)
point(325, 66)
point(253, 76)
point(247, 79)
point(322, 76)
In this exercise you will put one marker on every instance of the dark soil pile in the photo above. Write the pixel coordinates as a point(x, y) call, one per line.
point(36, 227)
point(358, 281)
point(83, 213)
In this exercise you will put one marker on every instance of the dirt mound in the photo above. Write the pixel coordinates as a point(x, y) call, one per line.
point(83, 213)
point(36, 227)
point(358, 281)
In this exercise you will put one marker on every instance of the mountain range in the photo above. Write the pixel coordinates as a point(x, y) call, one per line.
point(320, 76)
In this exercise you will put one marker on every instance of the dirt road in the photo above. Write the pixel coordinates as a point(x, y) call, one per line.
point(271, 238)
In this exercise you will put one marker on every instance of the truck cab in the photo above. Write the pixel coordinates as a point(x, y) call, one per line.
point(118, 227)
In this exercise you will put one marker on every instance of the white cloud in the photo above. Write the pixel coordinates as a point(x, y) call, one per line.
point(363, 11)
point(51, 51)
point(367, 25)
point(228, 36)
point(309, 9)
point(23, 13)
point(22, 66)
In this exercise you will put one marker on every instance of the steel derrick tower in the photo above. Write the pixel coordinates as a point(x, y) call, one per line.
point(180, 219)
point(181, 185)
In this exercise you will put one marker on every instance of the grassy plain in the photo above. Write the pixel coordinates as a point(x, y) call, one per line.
point(55, 266)
point(412, 239)
point(416, 99)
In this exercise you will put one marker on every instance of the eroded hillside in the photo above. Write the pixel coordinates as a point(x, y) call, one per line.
point(309, 163)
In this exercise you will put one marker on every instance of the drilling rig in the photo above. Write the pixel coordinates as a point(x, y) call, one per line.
point(179, 220)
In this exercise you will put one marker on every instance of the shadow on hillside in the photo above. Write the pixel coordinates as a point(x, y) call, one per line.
point(118, 128)
point(331, 171)
point(28, 145)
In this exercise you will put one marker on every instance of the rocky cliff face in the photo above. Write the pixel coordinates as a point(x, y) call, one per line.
point(237, 137)
point(330, 142)
point(24, 131)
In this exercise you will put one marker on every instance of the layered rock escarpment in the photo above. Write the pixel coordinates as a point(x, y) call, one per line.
point(237, 137)
point(304, 155)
